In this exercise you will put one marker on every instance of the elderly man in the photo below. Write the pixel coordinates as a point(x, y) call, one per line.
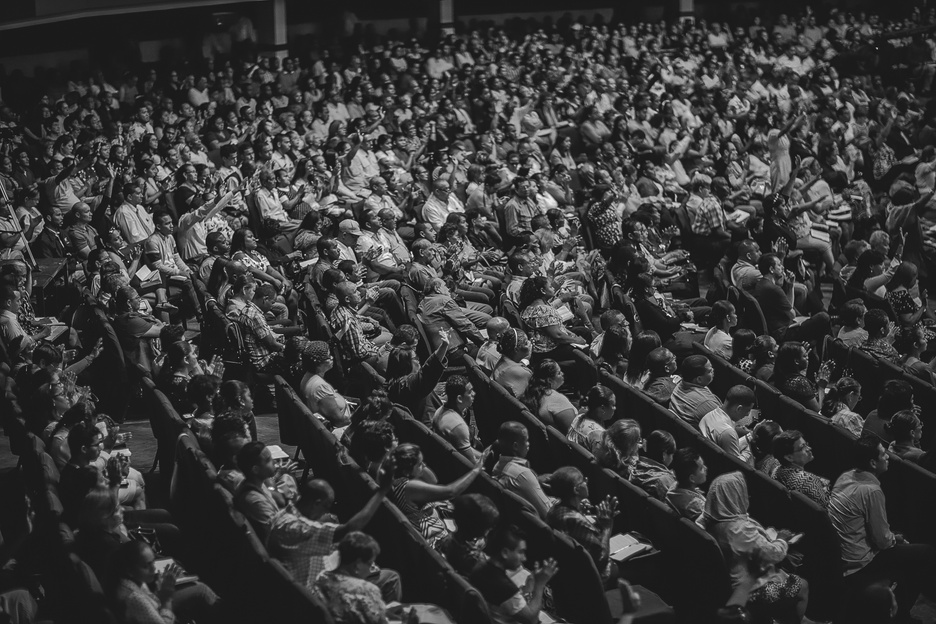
point(441, 204)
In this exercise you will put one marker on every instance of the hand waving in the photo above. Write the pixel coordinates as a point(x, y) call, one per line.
point(544, 571)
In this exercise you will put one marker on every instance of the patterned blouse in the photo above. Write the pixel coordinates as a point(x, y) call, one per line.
point(881, 348)
point(538, 317)
point(350, 600)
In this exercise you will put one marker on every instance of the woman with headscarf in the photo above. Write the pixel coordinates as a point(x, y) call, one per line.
point(742, 539)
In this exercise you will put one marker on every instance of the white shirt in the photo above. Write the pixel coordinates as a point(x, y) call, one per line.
point(435, 212)
point(136, 225)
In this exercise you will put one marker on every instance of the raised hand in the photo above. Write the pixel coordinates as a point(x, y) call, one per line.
point(606, 511)
point(165, 584)
point(544, 571)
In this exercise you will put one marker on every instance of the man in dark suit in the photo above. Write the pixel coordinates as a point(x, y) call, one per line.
point(52, 240)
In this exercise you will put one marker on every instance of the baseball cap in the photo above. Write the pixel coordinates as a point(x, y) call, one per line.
point(350, 226)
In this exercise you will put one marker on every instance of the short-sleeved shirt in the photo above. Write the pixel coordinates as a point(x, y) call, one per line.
point(350, 600)
point(301, 545)
point(585, 432)
point(555, 403)
point(538, 317)
point(502, 595)
point(315, 390)
point(82, 236)
point(450, 425)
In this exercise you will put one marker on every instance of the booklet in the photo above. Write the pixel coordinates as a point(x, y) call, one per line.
point(624, 547)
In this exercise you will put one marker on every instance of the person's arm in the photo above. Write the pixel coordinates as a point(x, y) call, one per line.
point(459, 320)
point(421, 492)
point(542, 573)
point(561, 335)
point(358, 521)
point(206, 211)
point(879, 533)
point(154, 330)
point(533, 493)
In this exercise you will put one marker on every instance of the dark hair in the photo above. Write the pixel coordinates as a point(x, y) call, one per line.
point(239, 240)
point(902, 425)
point(766, 262)
point(685, 463)
point(876, 322)
point(373, 440)
point(615, 345)
point(405, 458)
point(357, 547)
point(721, 310)
point(693, 367)
point(540, 383)
point(533, 288)
point(835, 392)
point(659, 443)
point(739, 395)
point(474, 515)
point(81, 434)
point(866, 451)
point(904, 342)
point(509, 434)
point(784, 444)
point(202, 388)
point(762, 438)
point(644, 343)
point(564, 480)
point(505, 536)
point(852, 312)
point(455, 387)
point(903, 276)
point(863, 266)
point(742, 342)
point(787, 356)
point(249, 456)
point(46, 353)
point(598, 396)
point(512, 341)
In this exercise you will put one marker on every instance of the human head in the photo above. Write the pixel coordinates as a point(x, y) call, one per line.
point(475, 515)
point(727, 498)
point(496, 327)
point(407, 460)
point(507, 546)
point(513, 440)
point(256, 461)
point(601, 403)
point(870, 454)
point(876, 323)
point(569, 485)
point(852, 313)
point(792, 359)
point(661, 446)
point(762, 438)
point(689, 468)
point(85, 442)
point(357, 552)
point(738, 402)
point(905, 427)
point(515, 344)
point(661, 362)
point(645, 342)
point(697, 369)
point(459, 394)
point(723, 315)
point(791, 449)
point(770, 264)
point(100, 510)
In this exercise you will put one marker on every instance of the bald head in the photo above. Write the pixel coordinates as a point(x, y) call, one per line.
point(316, 498)
point(496, 327)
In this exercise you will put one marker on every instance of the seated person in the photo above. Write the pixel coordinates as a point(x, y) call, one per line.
point(346, 591)
point(851, 316)
point(880, 336)
point(512, 370)
point(256, 497)
point(438, 309)
point(543, 398)
point(357, 337)
point(793, 453)
point(662, 366)
point(474, 515)
point(720, 424)
point(498, 579)
point(652, 472)
point(303, 535)
point(488, 353)
point(686, 498)
point(450, 420)
point(513, 470)
point(692, 399)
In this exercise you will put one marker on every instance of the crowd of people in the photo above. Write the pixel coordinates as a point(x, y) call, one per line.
point(536, 201)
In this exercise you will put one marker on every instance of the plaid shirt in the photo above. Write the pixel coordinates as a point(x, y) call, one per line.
point(350, 334)
point(706, 215)
point(809, 485)
point(301, 545)
point(257, 329)
point(584, 531)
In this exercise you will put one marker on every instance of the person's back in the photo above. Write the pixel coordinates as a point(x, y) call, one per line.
point(691, 399)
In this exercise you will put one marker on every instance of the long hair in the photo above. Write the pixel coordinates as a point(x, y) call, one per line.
point(533, 288)
point(645, 342)
point(835, 394)
point(540, 383)
point(239, 241)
